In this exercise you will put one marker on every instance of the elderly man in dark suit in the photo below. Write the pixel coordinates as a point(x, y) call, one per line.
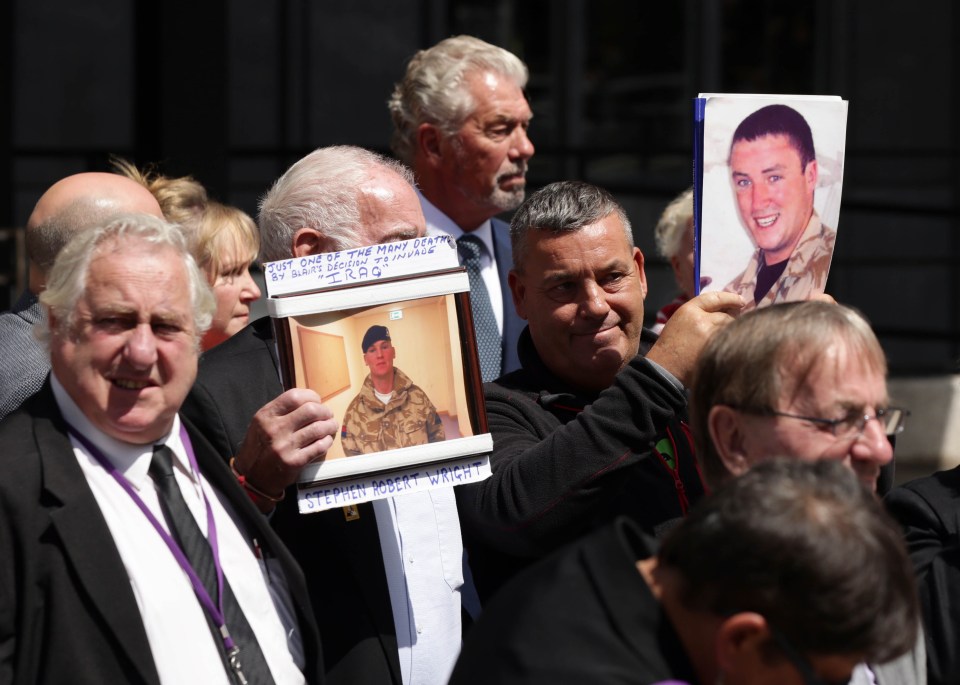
point(68, 206)
point(460, 121)
point(128, 553)
point(388, 578)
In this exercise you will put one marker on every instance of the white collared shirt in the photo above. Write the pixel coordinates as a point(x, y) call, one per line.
point(183, 647)
point(423, 559)
point(439, 223)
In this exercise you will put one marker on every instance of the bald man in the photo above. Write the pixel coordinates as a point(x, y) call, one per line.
point(69, 205)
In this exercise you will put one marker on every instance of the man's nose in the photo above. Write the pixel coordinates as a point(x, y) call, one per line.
point(760, 195)
point(594, 302)
point(522, 147)
point(873, 444)
point(141, 347)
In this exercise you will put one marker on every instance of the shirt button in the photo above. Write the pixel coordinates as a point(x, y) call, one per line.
point(419, 630)
point(410, 559)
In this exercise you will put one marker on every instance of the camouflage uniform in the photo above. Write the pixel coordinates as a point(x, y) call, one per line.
point(806, 272)
point(409, 419)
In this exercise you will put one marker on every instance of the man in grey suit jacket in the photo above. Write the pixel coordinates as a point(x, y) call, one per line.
point(460, 122)
point(128, 551)
point(68, 206)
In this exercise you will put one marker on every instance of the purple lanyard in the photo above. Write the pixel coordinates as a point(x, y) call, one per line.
point(214, 610)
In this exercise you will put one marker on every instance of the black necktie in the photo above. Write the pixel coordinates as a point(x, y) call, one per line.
point(184, 528)
point(489, 343)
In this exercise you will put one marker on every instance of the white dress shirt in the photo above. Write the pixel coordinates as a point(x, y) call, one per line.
point(439, 223)
point(423, 559)
point(183, 647)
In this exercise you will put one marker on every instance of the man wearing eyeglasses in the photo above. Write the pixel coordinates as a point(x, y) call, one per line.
point(805, 380)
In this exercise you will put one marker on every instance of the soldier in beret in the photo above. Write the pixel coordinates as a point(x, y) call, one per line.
point(389, 411)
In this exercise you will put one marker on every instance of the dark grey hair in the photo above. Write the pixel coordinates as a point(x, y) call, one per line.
point(563, 207)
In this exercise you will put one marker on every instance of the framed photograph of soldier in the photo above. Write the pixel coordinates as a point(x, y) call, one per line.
point(768, 178)
point(395, 359)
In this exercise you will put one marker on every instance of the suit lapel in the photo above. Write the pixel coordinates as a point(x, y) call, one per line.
point(513, 325)
point(87, 544)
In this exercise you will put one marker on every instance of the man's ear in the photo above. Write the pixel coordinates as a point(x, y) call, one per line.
point(727, 433)
point(518, 291)
point(810, 174)
point(307, 241)
point(740, 642)
point(641, 274)
point(429, 139)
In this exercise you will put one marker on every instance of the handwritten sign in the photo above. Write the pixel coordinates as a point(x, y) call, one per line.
point(316, 498)
point(360, 265)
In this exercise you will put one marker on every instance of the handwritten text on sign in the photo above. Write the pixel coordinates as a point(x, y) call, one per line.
point(360, 265)
point(317, 498)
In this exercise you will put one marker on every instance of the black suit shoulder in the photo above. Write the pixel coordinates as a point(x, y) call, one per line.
point(234, 380)
point(928, 509)
point(67, 613)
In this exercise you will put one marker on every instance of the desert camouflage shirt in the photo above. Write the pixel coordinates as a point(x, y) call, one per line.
point(806, 272)
point(409, 419)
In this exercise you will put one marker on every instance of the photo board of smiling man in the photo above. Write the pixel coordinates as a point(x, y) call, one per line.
point(768, 176)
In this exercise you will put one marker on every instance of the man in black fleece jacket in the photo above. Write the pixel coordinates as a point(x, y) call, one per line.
point(592, 426)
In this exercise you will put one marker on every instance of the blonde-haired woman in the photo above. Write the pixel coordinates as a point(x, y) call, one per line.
point(225, 242)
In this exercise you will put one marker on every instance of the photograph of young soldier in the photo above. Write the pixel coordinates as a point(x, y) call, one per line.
point(390, 411)
point(773, 169)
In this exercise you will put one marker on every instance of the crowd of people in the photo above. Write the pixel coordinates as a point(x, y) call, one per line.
point(707, 503)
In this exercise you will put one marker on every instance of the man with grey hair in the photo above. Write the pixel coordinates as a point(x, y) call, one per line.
point(387, 578)
point(460, 121)
point(128, 553)
point(805, 381)
point(800, 379)
point(594, 423)
point(68, 206)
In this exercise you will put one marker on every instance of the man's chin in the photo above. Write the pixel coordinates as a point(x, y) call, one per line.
point(508, 200)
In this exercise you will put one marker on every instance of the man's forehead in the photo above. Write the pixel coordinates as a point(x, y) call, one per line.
point(496, 95)
point(838, 374)
point(605, 240)
point(770, 144)
point(119, 274)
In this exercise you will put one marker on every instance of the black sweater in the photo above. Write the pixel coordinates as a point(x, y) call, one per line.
point(564, 463)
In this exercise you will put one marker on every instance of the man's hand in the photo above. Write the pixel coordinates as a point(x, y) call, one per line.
point(288, 433)
point(688, 330)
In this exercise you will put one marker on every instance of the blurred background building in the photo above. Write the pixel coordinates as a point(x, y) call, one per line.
point(233, 91)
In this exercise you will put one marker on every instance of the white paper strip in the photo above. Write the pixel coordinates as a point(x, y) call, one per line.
point(370, 295)
point(360, 265)
point(316, 498)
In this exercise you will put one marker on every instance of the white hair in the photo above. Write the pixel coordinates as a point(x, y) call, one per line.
point(68, 277)
point(672, 224)
point(432, 90)
point(320, 192)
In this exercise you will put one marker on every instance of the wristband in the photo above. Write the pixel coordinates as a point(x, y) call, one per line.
point(252, 490)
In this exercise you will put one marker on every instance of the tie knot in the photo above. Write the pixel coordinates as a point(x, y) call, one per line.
point(161, 466)
point(470, 247)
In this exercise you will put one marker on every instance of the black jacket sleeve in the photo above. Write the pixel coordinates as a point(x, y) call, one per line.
point(929, 511)
point(548, 476)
